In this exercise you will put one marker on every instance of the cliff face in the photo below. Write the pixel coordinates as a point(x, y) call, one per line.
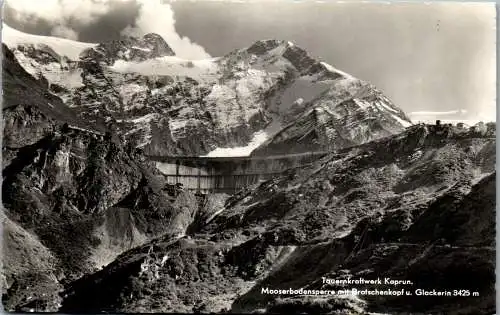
point(334, 125)
point(167, 105)
point(128, 49)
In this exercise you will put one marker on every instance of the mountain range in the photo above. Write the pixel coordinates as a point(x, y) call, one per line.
point(170, 106)
point(91, 225)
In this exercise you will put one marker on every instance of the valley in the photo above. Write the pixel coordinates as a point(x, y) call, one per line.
point(117, 195)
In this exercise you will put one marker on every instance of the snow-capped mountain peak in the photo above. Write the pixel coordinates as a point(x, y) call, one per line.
point(63, 47)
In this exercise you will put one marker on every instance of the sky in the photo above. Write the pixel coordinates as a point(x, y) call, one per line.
point(434, 60)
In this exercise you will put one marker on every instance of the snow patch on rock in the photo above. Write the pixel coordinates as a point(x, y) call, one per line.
point(55, 73)
point(143, 125)
point(387, 107)
point(258, 138)
point(362, 104)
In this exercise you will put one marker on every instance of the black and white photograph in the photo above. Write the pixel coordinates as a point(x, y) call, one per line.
point(248, 157)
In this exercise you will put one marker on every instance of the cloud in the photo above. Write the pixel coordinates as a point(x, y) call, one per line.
point(66, 16)
point(157, 17)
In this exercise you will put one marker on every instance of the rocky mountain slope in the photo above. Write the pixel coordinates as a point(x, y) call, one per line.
point(330, 125)
point(80, 200)
point(83, 200)
point(418, 206)
point(167, 105)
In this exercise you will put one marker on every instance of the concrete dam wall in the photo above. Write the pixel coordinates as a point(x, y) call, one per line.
point(227, 174)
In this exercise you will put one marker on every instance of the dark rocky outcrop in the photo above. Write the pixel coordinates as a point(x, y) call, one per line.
point(73, 198)
point(87, 200)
